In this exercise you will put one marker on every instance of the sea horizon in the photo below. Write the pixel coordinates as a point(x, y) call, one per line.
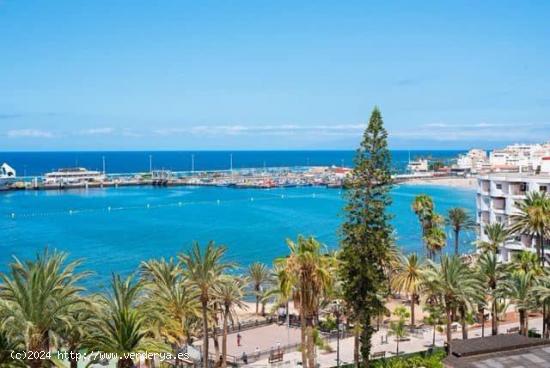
point(35, 163)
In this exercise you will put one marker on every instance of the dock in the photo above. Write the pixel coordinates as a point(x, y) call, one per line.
point(251, 178)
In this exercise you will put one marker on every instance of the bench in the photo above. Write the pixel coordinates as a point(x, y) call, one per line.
point(378, 354)
point(275, 357)
point(512, 330)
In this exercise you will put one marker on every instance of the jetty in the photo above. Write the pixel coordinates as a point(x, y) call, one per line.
point(256, 178)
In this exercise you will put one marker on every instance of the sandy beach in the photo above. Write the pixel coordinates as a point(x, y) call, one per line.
point(456, 182)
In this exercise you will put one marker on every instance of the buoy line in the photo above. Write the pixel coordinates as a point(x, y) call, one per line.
point(149, 206)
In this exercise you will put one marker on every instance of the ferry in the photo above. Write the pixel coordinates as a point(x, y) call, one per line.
point(7, 176)
point(73, 175)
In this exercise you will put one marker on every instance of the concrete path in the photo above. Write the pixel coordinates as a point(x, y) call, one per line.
point(416, 343)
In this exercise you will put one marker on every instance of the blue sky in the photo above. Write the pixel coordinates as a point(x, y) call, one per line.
point(271, 74)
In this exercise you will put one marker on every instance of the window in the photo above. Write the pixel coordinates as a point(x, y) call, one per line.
point(499, 186)
point(543, 188)
point(523, 187)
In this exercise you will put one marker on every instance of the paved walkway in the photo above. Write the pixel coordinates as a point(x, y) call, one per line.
point(264, 338)
point(416, 343)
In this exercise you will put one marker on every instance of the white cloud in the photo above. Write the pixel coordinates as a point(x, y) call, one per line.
point(97, 131)
point(272, 130)
point(130, 133)
point(476, 131)
point(29, 133)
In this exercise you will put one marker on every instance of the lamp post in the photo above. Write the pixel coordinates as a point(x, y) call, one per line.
point(337, 312)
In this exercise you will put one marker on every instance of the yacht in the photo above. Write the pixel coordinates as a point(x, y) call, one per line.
point(7, 176)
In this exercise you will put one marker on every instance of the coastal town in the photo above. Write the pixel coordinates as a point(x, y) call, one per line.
point(502, 178)
point(274, 184)
point(266, 333)
point(517, 158)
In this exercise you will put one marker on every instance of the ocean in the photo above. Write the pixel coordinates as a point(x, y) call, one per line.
point(114, 229)
point(38, 163)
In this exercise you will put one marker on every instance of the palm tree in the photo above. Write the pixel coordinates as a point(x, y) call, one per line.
point(533, 219)
point(435, 240)
point(423, 207)
point(496, 234)
point(170, 300)
point(527, 261)
point(390, 263)
point(494, 275)
point(74, 334)
point(521, 293)
point(542, 292)
point(38, 297)
point(310, 274)
point(259, 274)
point(452, 284)
point(459, 219)
point(408, 278)
point(204, 269)
point(229, 293)
point(8, 345)
point(434, 318)
point(122, 327)
point(398, 328)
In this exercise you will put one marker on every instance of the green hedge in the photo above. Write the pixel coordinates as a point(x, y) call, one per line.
point(423, 359)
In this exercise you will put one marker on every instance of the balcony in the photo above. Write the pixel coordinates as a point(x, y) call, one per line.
point(484, 218)
point(519, 189)
point(499, 204)
point(484, 187)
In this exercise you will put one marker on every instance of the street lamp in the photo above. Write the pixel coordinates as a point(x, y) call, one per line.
point(337, 310)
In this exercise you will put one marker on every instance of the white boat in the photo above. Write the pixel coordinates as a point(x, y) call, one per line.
point(73, 175)
point(7, 176)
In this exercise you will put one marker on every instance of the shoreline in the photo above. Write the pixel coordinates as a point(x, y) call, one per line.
point(453, 182)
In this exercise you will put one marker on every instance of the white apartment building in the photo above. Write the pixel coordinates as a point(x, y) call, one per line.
point(497, 196)
point(473, 161)
point(420, 165)
point(523, 157)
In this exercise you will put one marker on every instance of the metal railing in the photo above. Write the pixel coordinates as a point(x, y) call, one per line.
point(247, 325)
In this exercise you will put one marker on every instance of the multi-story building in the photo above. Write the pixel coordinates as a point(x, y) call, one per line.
point(420, 165)
point(497, 197)
point(472, 161)
point(520, 157)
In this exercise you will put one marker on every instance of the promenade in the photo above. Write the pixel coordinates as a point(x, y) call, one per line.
point(417, 342)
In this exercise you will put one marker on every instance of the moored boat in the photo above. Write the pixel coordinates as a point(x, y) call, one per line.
point(7, 176)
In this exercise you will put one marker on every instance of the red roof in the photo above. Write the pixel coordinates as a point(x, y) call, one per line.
point(341, 170)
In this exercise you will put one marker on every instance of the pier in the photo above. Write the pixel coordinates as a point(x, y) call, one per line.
point(258, 178)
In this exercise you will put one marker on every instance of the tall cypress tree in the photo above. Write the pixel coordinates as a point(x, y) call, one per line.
point(367, 233)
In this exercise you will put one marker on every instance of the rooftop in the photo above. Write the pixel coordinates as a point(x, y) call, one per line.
point(503, 351)
point(516, 176)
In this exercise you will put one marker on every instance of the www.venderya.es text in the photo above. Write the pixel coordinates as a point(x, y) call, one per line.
point(96, 355)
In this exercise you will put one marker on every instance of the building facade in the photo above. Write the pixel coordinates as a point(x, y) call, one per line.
point(472, 161)
point(497, 197)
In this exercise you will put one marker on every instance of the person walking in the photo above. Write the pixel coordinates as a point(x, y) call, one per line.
point(239, 339)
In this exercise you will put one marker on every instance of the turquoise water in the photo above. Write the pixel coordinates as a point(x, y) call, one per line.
point(115, 229)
